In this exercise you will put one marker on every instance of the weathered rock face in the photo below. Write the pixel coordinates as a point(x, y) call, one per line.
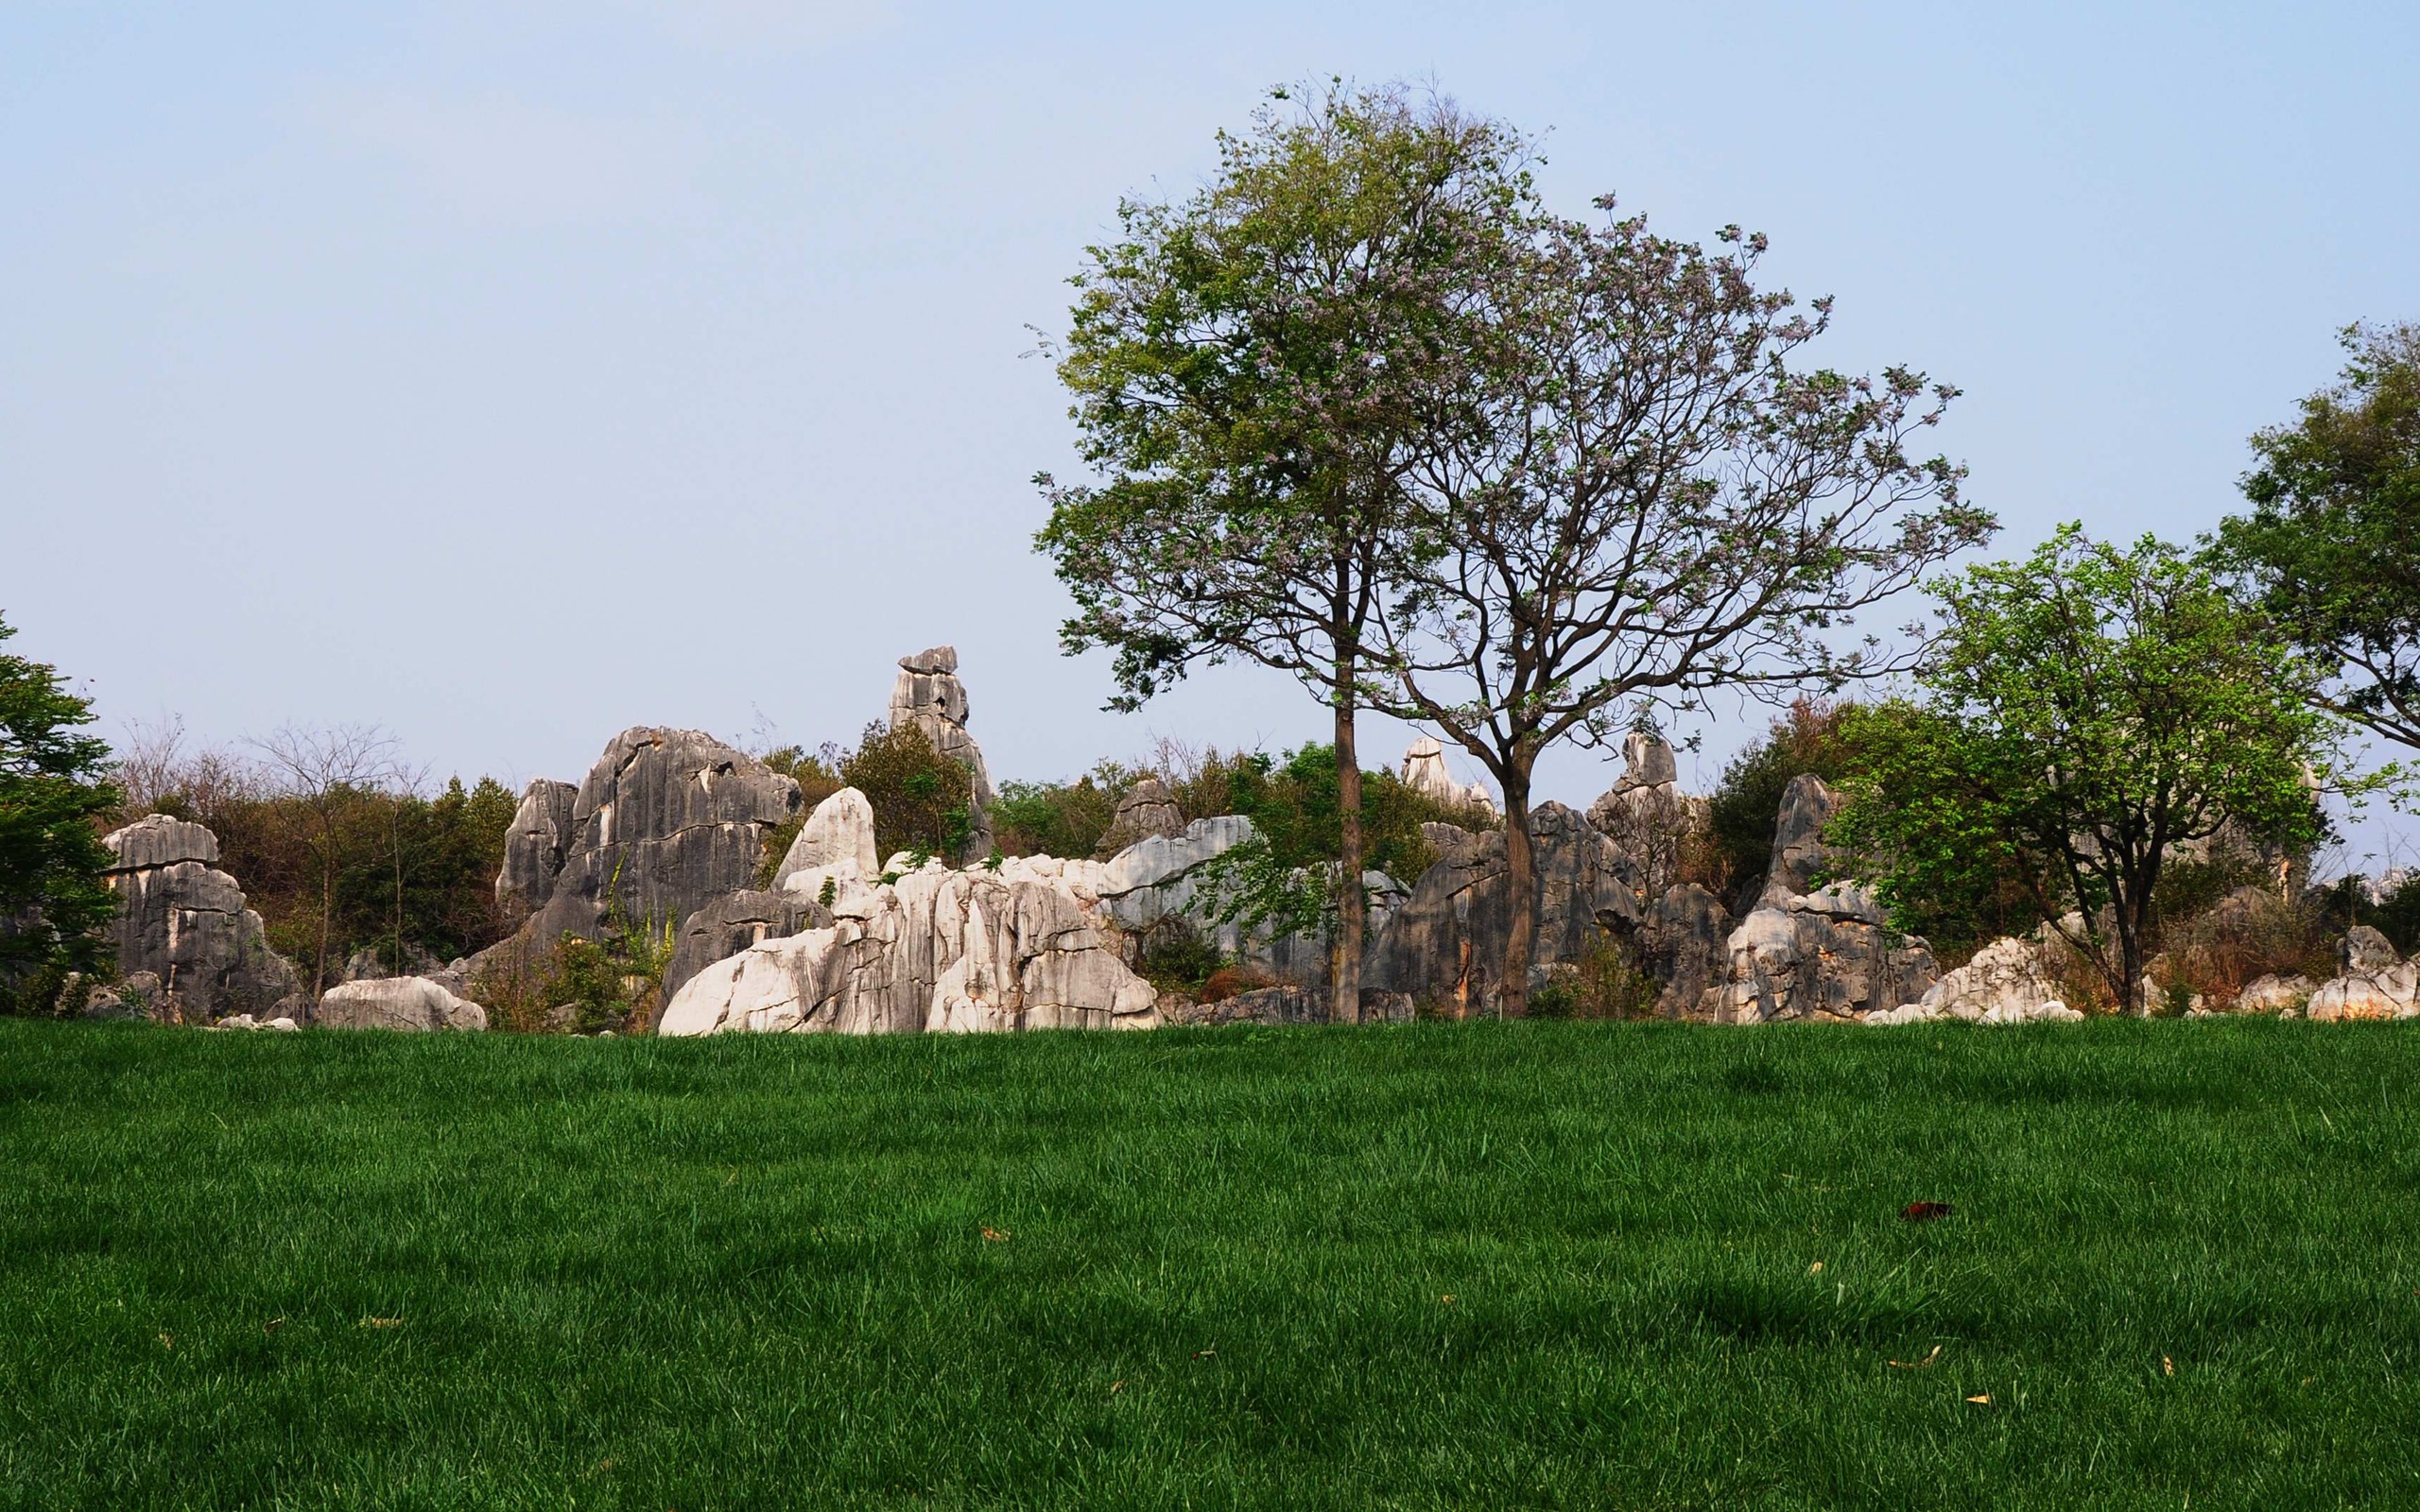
point(1423, 771)
point(668, 821)
point(535, 846)
point(1683, 941)
point(1825, 954)
point(839, 833)
point(2273, 993)
point(1445, 945)
point(412, 1003)
point(2009, 981)
point(2376, 984)
point(184, 922)
point(731, 923)
point(1799, 853)
point(929, 696)
point(1145, 811)
point(1648, 816)
point(939, 951)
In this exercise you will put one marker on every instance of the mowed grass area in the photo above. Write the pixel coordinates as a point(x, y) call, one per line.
point(1484, 1265)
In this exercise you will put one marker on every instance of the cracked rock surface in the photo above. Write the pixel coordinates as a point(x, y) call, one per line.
point(184, 922)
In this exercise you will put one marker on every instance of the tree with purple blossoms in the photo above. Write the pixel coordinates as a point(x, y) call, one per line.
point(1636, 497)
point(1250, 368)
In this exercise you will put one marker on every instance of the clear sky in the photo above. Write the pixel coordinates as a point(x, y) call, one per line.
point(507, 372)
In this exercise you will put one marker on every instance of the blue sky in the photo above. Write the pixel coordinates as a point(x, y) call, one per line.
point(510, 373)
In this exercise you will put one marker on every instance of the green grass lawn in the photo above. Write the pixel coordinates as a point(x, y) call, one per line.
point(1485, 1265)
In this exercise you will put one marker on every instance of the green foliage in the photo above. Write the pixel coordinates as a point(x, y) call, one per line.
point(2089, 708)
point(922, 799)
point(1065, 819)
point(53, 901)
point(541, 1269)
point(1607, 984)
point(2331, 545)
point(1286, 875)
point(1178, 959)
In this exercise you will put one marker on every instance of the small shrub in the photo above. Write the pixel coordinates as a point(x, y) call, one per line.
point(922, 799)
point(1178, 959)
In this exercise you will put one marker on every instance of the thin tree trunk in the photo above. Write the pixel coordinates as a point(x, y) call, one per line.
point(1521, 885)
point(327, 912)
point(1352, 905)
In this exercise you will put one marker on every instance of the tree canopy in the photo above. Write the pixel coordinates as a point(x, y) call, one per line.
point(53, 899)
point(2331, 545)
point(1637, 494)
point(2088, 711)
point(1247, 366)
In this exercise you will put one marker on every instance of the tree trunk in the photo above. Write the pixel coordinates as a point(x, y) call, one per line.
point(1521, 894)
point(1352, 904)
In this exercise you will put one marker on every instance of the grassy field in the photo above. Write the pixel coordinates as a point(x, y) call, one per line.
point(1486, 1265)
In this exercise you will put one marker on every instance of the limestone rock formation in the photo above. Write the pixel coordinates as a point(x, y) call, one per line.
point(1799, 853)
point(937, 950)
point(668, 821)
point(731, 923)
point(929, 696)
point(1445, 945)
point(1647, 814)
point(1825, 955)
point(184, 922)
point(2278, 994)
point(535, 846)
point(1145, 811)
point(1423, 771)
point(1282, 1004)
point(1682, 942)
point(839, 833)
point(2375, 983)
point(2009, 981)
point(412, 1003)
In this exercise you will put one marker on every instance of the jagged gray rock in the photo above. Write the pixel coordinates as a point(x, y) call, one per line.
point(1799, 853)
point(535, 846)
point(411, 1004)
point(2008, 981)
point(1282, 1004)
point(1445, 945)
point(731, 923)
point(928, 695)
point(1145, 809)
point(2273, 993)
point(1683, 943)
point(184, 922)
point(1828, 954)
point(666, 821)
point(1648, 816)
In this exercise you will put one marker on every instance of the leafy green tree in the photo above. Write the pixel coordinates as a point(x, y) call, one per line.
point(1745, 808)
point(2088, 711)
point(2331, 546)
point(53, 901)
point(1246, 369)
point(922, 800)
point(1639, 494)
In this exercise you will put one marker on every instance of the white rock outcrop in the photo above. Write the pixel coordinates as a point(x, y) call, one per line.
point(1423, 771)
point(937, 951)
point(837, 842)
point(411, 1004)
point(2007, 982)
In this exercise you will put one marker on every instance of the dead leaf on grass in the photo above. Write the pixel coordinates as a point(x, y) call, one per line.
point(1117, 1387)
point(167, 1341)
point(380, 1323)
point(1205, 1355)
point(997, 1236)
point(1816, 1270)
point(1925, 1364)
point(1983, 1401)
point(1447, 1299)
point(273, 1325)
point(2167, 1365)
point(1925, 1212)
